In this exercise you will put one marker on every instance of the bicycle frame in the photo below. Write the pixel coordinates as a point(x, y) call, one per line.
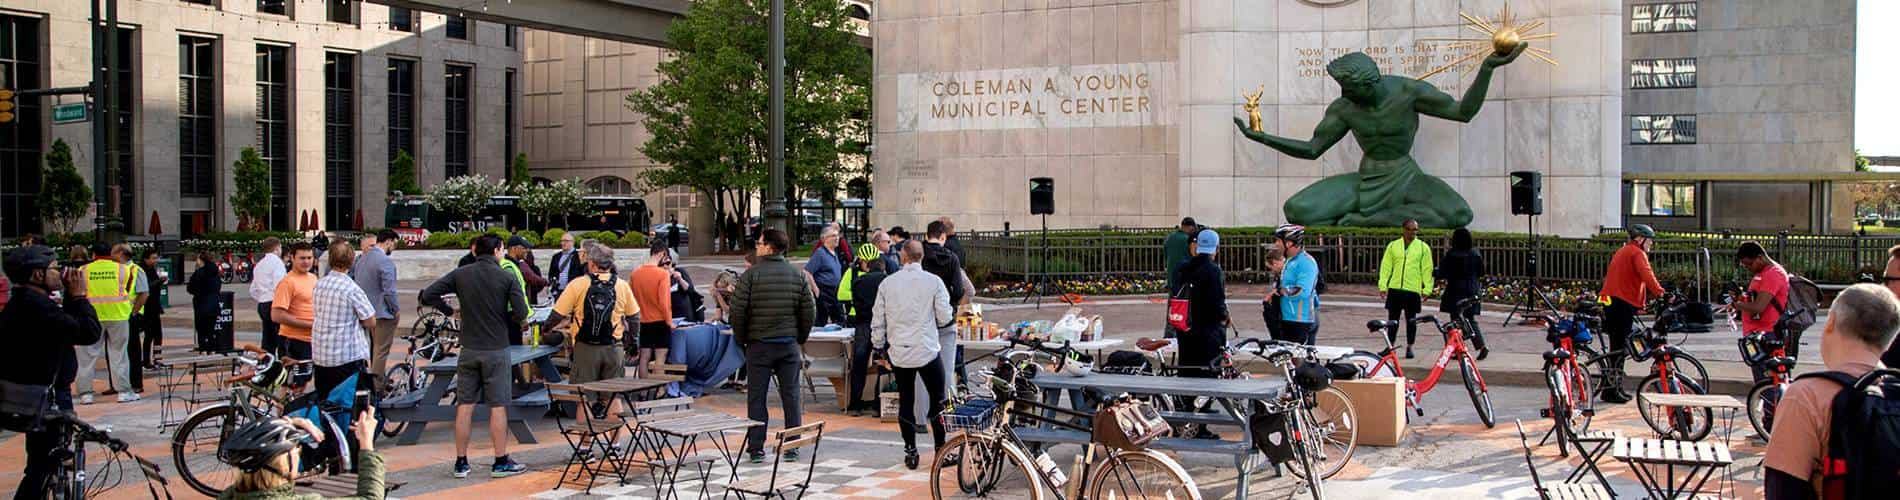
point(1415, 390)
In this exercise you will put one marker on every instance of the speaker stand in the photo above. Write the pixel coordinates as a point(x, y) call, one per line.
point(1042, 281)
point(1534, 300)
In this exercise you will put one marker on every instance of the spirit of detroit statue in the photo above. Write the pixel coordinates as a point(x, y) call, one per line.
point(1382, 113)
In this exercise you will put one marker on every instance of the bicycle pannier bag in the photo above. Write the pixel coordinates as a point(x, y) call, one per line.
point(597, 311)
point(1128, 425)
point(23, 405)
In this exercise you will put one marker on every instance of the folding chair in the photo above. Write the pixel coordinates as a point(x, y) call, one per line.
point(1560, 490)
point(590, 441)
point(643, 446)
point(771, 486)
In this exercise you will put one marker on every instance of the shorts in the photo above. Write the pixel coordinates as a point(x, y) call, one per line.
point(596, 362)
point(1401, 300)
point(655, 335)
point(483, 376)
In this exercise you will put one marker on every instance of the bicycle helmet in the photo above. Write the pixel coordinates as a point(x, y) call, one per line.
point(1312, 377)
point(256, 444)
point(1642, 230)
point(1290, 232)
point(22, 261)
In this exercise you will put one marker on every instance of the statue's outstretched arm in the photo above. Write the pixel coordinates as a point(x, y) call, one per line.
point(1329, 131)
point(1434, 102)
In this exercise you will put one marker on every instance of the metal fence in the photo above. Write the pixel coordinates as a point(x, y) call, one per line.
point(1678, 259)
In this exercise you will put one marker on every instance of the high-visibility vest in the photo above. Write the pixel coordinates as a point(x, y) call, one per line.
point(109, 287)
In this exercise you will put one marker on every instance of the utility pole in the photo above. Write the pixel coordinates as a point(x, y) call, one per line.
point(775, 215)
point(105, 38)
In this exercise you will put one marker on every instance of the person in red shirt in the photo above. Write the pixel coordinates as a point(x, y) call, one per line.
point(1626, 287)
point(1767, 294)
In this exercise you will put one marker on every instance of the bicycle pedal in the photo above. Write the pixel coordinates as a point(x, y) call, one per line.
point(1543, 412)
point(1420, 411)
point(1589, 412)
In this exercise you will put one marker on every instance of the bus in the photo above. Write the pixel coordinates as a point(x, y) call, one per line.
point(414, 218)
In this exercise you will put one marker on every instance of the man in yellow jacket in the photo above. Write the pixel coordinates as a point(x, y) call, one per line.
point(116, 291)
point(1405, 276)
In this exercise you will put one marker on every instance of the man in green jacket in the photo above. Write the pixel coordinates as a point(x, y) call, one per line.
point(1175, 250)
point(772, 313)
point(1405, 276)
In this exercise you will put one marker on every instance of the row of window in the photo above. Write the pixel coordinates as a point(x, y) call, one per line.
point(1669, 73)
point(400, 18)
point(1662, 198)
point(1671, 17)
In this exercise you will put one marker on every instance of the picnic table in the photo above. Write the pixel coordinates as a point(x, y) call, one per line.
point(1700, 460)
point(679, 443)
point(1233, 396)
point(418, 409)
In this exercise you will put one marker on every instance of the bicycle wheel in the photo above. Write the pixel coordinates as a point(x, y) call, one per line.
point(1369, 366)
point(1306, 454)
point(1674, 422)
point(427, 323)
point(195, 449)
point(1480, 397)
point(401, 382)
point(1558, 387)
point(1685, 364)
point(1141, 475)
point(1762, 400)
point(1335, 424)
point(983, 467)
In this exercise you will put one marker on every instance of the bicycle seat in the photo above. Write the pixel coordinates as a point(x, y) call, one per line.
point(1556, 354)
point(1381, 324)
point(1780, 364)
point(1467, 303)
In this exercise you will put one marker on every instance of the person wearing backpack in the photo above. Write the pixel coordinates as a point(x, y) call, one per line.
point(1829, 442)
point(603, 309)
point(1766, 297)
point(1890, 278)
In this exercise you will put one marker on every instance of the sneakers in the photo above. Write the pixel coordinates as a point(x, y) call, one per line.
point(505, 467)
point(757, 457)
point(127, 397)
point(910, 458)
point(790, 456)
point(461, 467)
point(85, 399)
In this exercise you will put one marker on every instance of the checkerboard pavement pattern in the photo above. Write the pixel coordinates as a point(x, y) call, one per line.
point(835, 479)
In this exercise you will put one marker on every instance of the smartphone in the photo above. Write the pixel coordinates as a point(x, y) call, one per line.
point(362, 401)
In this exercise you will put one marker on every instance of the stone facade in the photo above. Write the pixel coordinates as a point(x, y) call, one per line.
point(238, 28)
point(1188, 159)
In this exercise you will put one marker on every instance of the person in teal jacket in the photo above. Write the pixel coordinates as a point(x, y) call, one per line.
point(1405, 277)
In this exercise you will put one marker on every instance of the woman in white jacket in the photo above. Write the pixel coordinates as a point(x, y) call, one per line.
point(911, 306)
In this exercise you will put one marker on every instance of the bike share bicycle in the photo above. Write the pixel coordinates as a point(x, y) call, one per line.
point(1386, 364)
point(265, 394)
point(1765, 353)
point(1672, 371)
point(432, 338)
point(1570, 382)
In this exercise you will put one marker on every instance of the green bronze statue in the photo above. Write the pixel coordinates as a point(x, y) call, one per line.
point(1382, 113)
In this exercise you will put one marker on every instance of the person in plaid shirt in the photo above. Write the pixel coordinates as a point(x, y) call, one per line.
point(343, 313)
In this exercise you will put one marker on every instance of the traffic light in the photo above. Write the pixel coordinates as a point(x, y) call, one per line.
point(6, 105)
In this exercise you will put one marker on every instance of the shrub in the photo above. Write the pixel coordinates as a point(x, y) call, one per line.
point(441, 240)
point(533, 237)
point(553, 234)
point(633, 240)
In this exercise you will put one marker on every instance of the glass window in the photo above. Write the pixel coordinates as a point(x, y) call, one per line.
point(339, 140)
point(457, 27)
point(22, 138)
point(338, 11)
point(1662, 17)
point(509, 33)
point(402, 108)
point(1662, 129)
point(197, 116)
point(279, 7)
point(273, 127)
point(125, 102)
point(402, 19)
point(1662, 198)
point(609, 185)
point(455, 122)
point(1662, 73)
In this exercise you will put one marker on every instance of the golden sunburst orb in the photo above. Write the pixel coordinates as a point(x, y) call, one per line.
point(1500, 36)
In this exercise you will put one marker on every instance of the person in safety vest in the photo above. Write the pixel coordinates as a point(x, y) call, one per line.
point(116, 290)
point(1405, 277)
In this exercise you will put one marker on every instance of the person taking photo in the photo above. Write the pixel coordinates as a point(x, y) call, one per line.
point(45, 358)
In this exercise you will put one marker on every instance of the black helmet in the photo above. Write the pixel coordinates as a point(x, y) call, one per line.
point(256, 444)
point(1312, 377)
point(553, 338)
point(1642, 230)
point(1290, 232)
point(25, 259)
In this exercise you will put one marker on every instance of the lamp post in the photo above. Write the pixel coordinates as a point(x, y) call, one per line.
point(774, 214)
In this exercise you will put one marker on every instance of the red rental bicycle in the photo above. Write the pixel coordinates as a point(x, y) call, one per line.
point(1766, 352)
point(1387, 365)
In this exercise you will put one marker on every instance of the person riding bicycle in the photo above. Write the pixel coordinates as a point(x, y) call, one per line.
point(1767, 294)
point(262, 451)
point(45, 357)
point(1626, 287)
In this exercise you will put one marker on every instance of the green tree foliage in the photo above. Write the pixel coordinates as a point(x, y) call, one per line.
point(518, 172)
point(250, 196)
point(464, 195)
point(64, 197)
point(562, 197)
point(1861, 163)
point(402, 174)
point(709, 113)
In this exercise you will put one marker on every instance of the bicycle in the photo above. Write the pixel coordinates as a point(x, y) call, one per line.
point(986, 459)
point(1329, 416)
point(1766, 352)
point(1387, 365)
point(1672, 371)
point(1569, 382)
point(433, 337)
point(263, 394)
point(70, 481)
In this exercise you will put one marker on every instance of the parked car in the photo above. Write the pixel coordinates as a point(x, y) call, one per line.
point(660, 230)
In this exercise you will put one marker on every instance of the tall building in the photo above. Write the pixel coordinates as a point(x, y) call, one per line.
point(1741, 114)
point(326, 91)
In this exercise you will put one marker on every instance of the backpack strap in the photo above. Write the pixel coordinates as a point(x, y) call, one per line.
point(1842, 378)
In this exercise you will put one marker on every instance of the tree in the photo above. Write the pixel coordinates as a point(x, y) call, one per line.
point(1873, 198)
point(709, 113)
point(518, 172)
point(250, 196)
point(562, 197)
point(464, 195)
point(1861, 163)
point(64, 197)
point(402, 174)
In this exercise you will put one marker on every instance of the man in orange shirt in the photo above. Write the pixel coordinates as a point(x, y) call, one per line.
point(293, 306)
point(1626, 288)
point(653, 290)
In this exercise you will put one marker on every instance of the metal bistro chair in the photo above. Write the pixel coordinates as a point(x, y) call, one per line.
point(644, 446)
point(590, 441)
point(1565, 490)
point(771, 486)
point(827, 360)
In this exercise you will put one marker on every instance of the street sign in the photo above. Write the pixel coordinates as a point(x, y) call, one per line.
point(69, 113)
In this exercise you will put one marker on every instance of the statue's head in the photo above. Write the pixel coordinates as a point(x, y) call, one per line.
point(1357, 75)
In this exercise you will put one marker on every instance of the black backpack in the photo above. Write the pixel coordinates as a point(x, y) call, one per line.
point(1863, 442)
point(597, 312)
point(1804, 301)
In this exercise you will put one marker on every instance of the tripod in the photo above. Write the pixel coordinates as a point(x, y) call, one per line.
point(1534, 300)
point(1042, 275)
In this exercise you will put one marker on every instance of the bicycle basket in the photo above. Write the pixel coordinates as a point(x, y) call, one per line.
point(969, 416)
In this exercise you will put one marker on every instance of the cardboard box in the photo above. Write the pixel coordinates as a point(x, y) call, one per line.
point(1380, 404)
